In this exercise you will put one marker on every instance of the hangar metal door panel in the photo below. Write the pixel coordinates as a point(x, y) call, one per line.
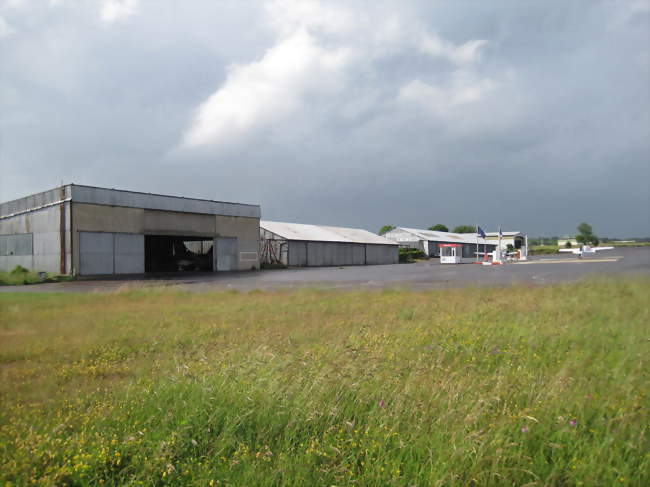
point(226, 254)
point(95, 253)
point(129, 253)
point(297, 254)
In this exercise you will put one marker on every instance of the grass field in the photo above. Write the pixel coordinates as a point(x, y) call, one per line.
point(554, 249)
point(627, 244)
point(502, 386)
point(543, 249)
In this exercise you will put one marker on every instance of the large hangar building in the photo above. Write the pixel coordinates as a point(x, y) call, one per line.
point(300, 245)
point(85, 230)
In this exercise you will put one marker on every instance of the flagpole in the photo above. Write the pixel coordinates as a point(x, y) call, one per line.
point(476, 254)
point(499, 242)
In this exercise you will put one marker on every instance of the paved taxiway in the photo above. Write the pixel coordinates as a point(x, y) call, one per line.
point(633, 261)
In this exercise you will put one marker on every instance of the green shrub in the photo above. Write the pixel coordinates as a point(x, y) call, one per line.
point(543, 250)
point(407, 255)
point(19, 276)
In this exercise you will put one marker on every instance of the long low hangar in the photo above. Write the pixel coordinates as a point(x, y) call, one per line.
point(85, 230)
point(302, 245)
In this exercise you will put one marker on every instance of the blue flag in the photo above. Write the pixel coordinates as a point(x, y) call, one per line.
point(480, 232)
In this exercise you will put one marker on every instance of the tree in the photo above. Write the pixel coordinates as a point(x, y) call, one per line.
point(585, 229)
point(586, 234)
point(386, 229)
point(568, 244)
point(439, 228)
point(465, 229)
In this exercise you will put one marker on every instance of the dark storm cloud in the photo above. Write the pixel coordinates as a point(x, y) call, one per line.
point(533, 116)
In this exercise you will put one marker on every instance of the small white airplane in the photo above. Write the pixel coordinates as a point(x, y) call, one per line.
point(585, 249)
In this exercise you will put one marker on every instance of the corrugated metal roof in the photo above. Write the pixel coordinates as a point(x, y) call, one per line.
point(450, 237)
point(441, 236)
point(321, 233)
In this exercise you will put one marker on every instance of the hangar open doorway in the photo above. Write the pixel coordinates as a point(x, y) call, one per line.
point(164, 253)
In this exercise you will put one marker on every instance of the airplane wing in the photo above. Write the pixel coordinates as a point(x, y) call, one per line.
point(601, 248)
point(573, 251)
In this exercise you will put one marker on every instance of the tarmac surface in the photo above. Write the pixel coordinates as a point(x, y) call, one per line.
point(547, 269)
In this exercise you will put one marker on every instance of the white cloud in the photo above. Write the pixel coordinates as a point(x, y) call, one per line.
point(5, 29)
point(113, 10)
point(289, 16)
point(322, 53)
point(466, 53)
point(267, 90)
point(439, 100)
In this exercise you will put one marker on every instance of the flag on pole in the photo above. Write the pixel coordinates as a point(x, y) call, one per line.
point(480, 232)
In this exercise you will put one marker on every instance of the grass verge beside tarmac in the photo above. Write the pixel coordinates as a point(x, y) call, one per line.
point(491, 386)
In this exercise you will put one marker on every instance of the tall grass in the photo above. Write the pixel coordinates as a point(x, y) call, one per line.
point(508, 386)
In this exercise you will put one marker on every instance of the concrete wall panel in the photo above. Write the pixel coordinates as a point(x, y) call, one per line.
point(247, 232)
point(175, 223)
point(242, 228)
point(249, 256)
point(97, 218)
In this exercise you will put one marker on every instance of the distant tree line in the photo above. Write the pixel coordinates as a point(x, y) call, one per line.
point(438, 227)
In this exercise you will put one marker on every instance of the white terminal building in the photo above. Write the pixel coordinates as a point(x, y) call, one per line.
point(429, 241)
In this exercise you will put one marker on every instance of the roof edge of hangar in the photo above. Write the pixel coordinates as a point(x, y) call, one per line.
point(125, 198)
point(323, 233)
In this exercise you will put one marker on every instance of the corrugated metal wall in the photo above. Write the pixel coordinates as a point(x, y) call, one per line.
point(43, 229)
point(381, 254)
point(297, 254)
point(335, 254)
point(323, 254)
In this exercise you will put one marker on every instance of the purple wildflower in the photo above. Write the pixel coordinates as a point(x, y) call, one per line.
point(381, 403)
point(573, 423)
point(524, 429)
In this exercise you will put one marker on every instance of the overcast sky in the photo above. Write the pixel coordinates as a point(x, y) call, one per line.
point(526, 114)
